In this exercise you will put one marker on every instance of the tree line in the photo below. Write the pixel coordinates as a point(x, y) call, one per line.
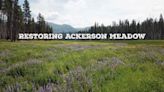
point(152, 27)
point(16, 19)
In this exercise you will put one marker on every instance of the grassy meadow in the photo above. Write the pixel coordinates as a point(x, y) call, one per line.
point(82, 66)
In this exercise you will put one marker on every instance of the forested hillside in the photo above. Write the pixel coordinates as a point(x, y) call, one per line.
point(154, 28)
point(15, 19)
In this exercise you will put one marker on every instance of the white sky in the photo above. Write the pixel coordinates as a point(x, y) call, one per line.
point(83, 13)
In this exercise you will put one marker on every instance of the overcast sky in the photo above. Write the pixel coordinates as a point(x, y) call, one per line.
point(83, 13)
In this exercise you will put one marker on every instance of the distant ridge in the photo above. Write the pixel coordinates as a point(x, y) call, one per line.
point(65, 28)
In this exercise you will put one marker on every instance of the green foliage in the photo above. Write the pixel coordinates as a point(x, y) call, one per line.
point(16, 20)
point(90, 66)
point(153, 28)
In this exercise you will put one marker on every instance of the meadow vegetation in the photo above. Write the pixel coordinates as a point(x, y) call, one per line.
point(82, 66)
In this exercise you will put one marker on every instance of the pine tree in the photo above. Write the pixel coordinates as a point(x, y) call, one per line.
point(33, 26)
point(0, 4)
point(153, 28)
point(26, 15)
point(20, 19)
point(41, 23)
point(161, 25)
point(1, 21)
point(8, 10)
point(133, 27)
point(13, 20)
point(16, 20)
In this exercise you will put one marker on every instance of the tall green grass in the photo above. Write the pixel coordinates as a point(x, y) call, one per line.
point(82, 66)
